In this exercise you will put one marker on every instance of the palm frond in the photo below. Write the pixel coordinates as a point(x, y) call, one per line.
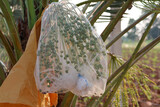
point(129, 85)
point(112, 23)
point(88, 1)
point(31, 13)
point(8, 15)
point(130, 61)
point(148, 5)
point(8, 48)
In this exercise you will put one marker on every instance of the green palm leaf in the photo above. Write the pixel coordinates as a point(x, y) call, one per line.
point(8, 15)
point(31, 13)
point(8, 48)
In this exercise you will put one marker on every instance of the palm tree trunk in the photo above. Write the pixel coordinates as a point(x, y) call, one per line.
point(116, 48)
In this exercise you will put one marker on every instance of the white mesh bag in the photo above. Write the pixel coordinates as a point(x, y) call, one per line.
point(70, 55)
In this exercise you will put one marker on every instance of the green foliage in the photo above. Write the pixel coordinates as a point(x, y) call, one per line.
point(125, 67)
point(8, 15)
point(2, 25)
point(119, 70)
point(31, 13)
point(2, 72)
point(128, 90)
point(3, 55)
point(8, 48)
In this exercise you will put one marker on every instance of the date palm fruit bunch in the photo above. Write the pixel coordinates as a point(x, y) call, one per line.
point(70, 55)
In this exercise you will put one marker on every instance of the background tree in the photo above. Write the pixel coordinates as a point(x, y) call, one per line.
point(131, 35)
point(155, 30)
